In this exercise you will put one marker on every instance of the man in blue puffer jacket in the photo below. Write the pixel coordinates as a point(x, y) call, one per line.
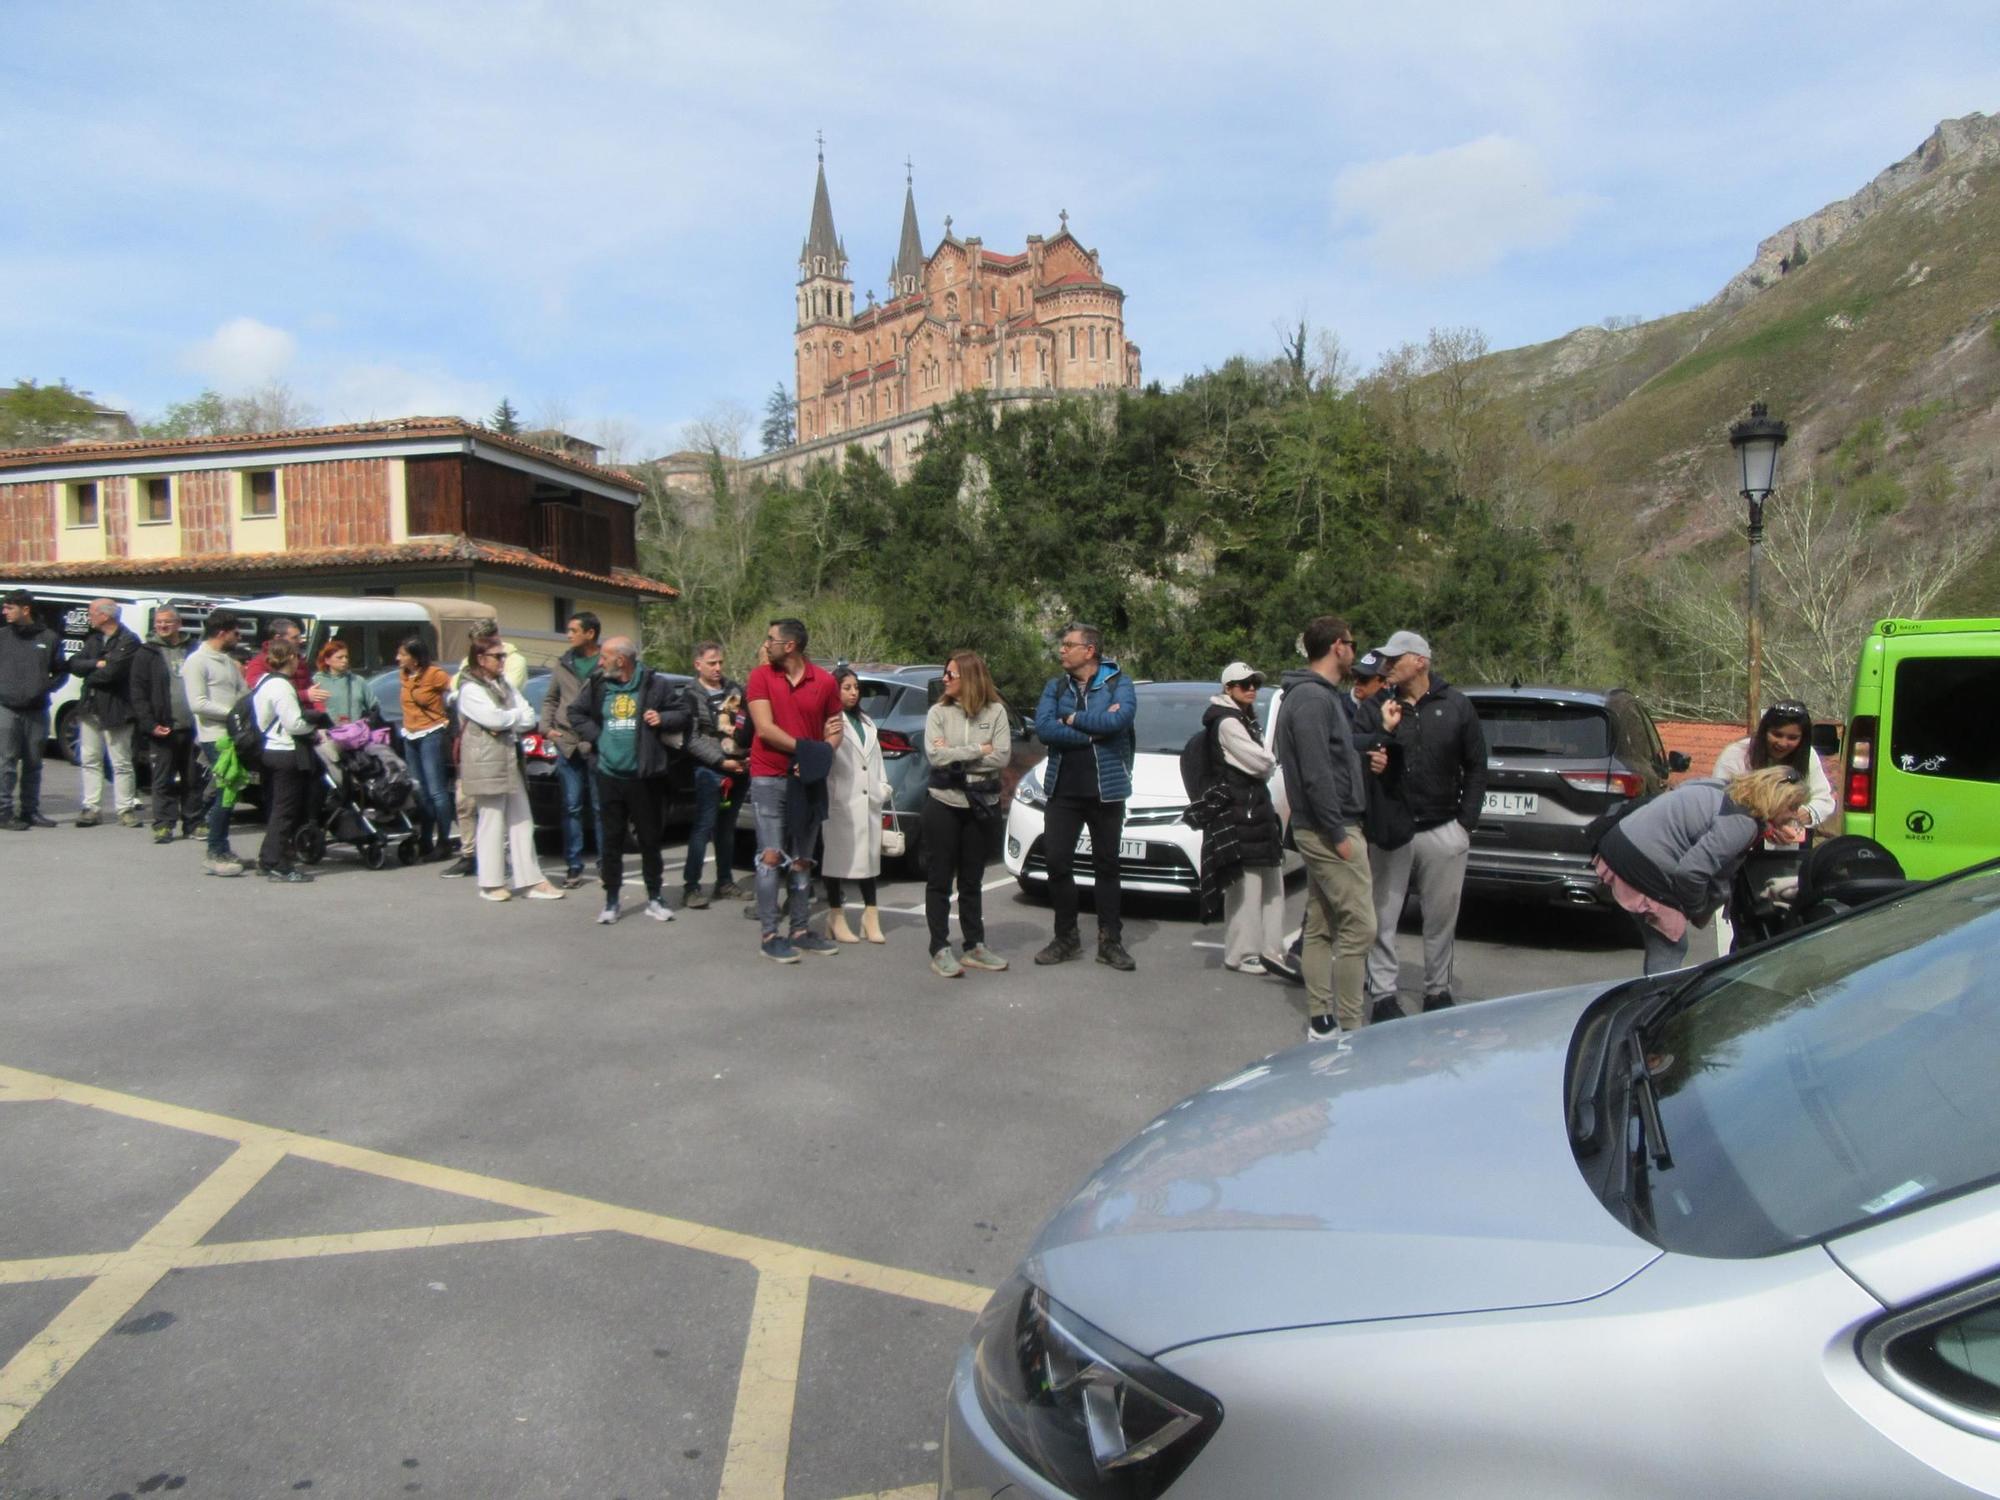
point(1086, 718)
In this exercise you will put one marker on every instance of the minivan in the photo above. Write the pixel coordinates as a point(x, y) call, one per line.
point(372, 626)
point(1921, 770)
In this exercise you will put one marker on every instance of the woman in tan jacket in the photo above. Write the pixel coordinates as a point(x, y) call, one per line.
point(968, 741)
point(489, 772)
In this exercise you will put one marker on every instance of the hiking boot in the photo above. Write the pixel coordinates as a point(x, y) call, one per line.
point(1440, 1001)
point(1385, 1009)
point(944, 965)
point(128, 819)
point(1060, 951)
point(86, 820)
point(694, 898)
point(979, 956)
point(1111, 951)
point(163, 833)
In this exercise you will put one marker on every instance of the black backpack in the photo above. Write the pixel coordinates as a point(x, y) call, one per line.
point(1595, 830)
point(240, 724)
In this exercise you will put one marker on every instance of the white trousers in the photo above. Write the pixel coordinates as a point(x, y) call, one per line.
point(506, 830)
point(1253, 909)
point(93, 744)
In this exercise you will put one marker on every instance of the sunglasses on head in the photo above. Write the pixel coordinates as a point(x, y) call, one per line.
point(1789, 709)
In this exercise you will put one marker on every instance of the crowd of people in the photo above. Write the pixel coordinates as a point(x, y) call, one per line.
point(1373, 771)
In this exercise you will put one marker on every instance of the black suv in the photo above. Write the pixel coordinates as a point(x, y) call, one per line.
point(1556, 758)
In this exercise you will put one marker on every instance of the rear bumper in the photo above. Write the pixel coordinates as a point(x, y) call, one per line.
point(1565, 879)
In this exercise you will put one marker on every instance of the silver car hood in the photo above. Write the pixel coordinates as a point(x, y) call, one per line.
point(1424, 1169)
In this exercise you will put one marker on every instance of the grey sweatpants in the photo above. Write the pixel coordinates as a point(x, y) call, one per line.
point(1435, 862)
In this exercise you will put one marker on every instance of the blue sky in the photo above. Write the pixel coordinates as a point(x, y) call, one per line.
point(595, 208)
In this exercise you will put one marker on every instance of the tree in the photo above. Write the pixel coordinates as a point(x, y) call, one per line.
point(35, 416)
point(505, 420)
point(270, 408)
point(780, 419)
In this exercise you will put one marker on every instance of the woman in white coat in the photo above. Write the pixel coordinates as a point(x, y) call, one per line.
point(856, 792)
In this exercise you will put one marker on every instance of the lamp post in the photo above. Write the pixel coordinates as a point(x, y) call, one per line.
point(1756, 440)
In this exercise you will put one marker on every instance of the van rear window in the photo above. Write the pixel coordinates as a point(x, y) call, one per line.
point(1941, 725)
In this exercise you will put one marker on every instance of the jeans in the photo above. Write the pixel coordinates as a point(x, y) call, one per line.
point(955, 849)
point(176, 788)
point(767, 803)
point(218, 814)
point(573, 771)
point(22, 732)
point(93, 744)
point(1435, 861)
point(624, 802)
point(433, 801)
point(1064, 820)
point(711, 822)
point(1339, 926)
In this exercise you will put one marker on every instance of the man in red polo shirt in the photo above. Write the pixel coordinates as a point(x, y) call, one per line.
point(790, 700)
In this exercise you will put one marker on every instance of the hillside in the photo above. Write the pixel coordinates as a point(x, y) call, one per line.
point(1882, 351)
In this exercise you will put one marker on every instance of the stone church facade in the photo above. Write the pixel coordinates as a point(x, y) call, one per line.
point(1019, 327)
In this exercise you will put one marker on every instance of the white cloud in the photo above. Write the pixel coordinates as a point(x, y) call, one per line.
point(1455, 211)
point(242, 354)
point(364, 391)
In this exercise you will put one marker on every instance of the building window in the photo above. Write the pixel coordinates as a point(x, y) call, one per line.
point(159, 505)
point(1072, 343)
point(564, 608)
point(82, 504)
point(260, 494)
point(1093, 343)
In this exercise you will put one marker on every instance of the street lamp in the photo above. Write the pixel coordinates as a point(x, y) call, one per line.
point(1756, 440)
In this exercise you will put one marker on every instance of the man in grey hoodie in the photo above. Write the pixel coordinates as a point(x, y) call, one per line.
point(1323, 783)
point(213, 682)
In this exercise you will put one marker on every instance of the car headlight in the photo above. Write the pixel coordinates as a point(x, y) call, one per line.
point(1096, 1419)
point(1029, 790)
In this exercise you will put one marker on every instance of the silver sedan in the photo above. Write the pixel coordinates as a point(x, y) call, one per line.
point(1728, 1232)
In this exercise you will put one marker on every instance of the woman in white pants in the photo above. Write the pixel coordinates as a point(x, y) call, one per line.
point(490, 774)
point(1246, 838)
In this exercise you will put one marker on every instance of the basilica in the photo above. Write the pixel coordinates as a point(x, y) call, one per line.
point(962, 318)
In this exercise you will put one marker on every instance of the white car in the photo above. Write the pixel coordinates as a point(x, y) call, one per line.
point(1157, 853)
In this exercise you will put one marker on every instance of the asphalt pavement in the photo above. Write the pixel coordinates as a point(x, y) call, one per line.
point(367, 1187)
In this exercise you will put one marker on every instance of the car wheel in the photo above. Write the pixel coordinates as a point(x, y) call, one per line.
point(67, 734)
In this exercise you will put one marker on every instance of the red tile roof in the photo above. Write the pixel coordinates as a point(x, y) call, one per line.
point(309, 437)
point(449, 549)
point(1075, 278)
point(996, 258)
point(1701, 743)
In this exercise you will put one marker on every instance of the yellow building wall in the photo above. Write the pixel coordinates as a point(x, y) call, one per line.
point(256, 533)
point(155, 538)
point(78, 543)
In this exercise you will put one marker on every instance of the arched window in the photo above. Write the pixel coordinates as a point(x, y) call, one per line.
point(951, 304)
point(1072, 343)
point(1093, 343)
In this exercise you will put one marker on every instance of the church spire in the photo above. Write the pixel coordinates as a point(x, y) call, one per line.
point(908, 271)
point(822, 254)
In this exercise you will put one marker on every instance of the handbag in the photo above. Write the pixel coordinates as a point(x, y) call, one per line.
point(894, 845)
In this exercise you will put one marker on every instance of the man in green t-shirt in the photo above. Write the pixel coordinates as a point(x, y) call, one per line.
point(628, 713)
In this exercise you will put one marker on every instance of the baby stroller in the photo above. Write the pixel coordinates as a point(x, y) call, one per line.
point(1781, 890)
point(367, 793)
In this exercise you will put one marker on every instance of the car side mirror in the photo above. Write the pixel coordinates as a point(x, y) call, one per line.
point(1677, 760)
point(1020, 727)
point(1826, 739)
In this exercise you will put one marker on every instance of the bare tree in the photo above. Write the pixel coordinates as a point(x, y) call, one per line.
point(719, 431)
point(614, 437)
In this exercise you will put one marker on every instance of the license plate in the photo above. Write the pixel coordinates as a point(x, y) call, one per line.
point(1512, 804)
point(1127, 848)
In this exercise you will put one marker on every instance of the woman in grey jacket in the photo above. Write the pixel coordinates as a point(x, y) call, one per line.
point(1670, 862)
point(968, 741)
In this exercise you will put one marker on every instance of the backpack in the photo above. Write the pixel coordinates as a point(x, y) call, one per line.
point(1595, 830)
point(1197, 763)
point(240, 725)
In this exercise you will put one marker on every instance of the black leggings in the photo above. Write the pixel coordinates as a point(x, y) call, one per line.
point(833, 891)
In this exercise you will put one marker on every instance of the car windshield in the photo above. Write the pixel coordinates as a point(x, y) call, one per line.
point(1821, 1083)
point(1516, 727)
point(1170, 714)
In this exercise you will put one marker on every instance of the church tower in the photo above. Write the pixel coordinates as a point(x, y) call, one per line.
point(825, 293)
point(907, 274)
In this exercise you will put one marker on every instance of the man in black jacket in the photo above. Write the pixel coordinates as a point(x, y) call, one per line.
point(30, 666)
point(720, 750)
point(165, 724)
point(104, 715)
point(1443, 787)
point(626, 712)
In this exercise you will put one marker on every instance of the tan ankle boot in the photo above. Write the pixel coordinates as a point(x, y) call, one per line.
point(871, 925)
point(837, 928)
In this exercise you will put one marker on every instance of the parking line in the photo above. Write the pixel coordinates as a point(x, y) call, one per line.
point(760, 1429)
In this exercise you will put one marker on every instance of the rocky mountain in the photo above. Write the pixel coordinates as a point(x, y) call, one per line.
point(1879, 344)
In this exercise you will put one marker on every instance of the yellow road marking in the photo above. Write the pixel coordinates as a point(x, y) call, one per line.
point(912, 1492)
point(93, 1312)
point(760, 1427)
point(760, 1430)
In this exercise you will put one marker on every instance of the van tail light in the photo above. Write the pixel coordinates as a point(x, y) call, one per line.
point(1859, 794)
point(1616, 783)
point(535, 747)
point(895, 743)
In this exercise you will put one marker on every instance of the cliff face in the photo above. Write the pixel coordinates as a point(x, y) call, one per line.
point(1953, 147)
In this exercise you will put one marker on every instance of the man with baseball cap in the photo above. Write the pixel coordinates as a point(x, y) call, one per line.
point(1442, 788)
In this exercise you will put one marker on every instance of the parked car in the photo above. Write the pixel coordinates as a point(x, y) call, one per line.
point(1158, 854)
point(1922, 772)
point(1733, 1231)
point(1556, 758)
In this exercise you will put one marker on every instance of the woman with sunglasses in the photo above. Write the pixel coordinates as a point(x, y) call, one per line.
point(857, 789)
point(489, 772)
point(1783, 738)
point(968, 740)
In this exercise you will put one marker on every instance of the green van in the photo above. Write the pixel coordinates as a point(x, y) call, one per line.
point(1922, 764)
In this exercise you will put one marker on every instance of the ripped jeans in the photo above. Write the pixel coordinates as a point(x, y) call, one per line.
point(767, 803)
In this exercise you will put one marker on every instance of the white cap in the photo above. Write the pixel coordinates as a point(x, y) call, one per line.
point(1405, 643)
point(1240, 671)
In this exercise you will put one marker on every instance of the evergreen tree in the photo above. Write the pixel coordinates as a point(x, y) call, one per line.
point(780, 412)
point(505, 420)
